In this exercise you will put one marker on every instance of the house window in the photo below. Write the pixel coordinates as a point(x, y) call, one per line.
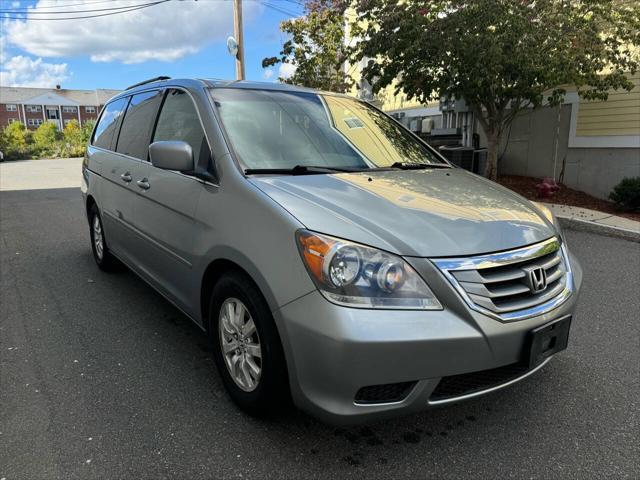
point(90, 109)
point(12, 107)
point(68, 109)
point(34, 108)
point(11, 120)
point(34, 122)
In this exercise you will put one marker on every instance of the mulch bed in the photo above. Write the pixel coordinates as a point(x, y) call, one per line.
point(526, 186)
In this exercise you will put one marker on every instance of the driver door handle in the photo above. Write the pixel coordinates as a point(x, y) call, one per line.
point(144, 184)
point(126, 177)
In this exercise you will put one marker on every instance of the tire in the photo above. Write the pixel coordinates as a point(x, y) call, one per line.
point(101, 254)
point(271, 393)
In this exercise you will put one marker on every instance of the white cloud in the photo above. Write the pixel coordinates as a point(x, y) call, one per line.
point(267, 74)
point(21, 71)
point(286, 70)
point(162, 32)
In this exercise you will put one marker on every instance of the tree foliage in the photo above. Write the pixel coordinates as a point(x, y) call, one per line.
point(499, 55)
point(72, 140)
point(85, 132)
point(19, 143)
point(45, 139)
point(14, 140)
point(316, 47)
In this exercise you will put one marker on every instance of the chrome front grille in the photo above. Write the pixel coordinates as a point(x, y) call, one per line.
point(515, 284)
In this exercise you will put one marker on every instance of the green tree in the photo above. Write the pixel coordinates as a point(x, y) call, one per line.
point(46, 139)
point(499, 55)
point(72, 138)
point(15, 141)
point(86, 131)
point(316, 47)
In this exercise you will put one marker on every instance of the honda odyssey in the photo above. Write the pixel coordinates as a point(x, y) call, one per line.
point(331, 256)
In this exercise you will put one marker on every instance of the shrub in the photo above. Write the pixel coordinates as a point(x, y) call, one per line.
point(627, 193)
point(46, 140)
point(87, 129)
point(14, 141)
point(72, 139)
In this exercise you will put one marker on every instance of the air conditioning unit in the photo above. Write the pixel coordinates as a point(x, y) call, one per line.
point(457, 105)
point(427, 125)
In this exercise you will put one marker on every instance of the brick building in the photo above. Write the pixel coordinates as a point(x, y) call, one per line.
point(33, 106)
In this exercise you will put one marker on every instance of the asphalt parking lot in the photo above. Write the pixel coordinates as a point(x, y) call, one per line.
point(100, 377)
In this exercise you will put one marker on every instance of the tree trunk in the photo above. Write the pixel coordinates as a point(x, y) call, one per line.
point(493, 144)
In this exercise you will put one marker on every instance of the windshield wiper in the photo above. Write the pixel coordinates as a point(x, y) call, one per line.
point(417, 166)
point(300, 170)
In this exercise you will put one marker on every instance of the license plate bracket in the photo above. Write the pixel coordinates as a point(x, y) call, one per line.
point(547, 340)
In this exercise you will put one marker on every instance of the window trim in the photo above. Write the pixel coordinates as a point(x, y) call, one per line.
point(166, 90)
point(11, 107)
point(154, 122)
point(127, 98)
point(69, 109)
point(90, 109)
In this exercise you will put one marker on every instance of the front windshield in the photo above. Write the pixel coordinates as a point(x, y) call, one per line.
point(281, 130)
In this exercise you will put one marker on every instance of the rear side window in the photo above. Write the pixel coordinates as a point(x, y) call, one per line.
point(138, 123)
point(107, 129)
point(179, 120)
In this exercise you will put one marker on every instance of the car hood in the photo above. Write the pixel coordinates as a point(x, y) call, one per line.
point(430, 213)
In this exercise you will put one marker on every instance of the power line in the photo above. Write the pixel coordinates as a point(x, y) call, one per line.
point(139, 7)
point(278, 9)
point(33, 11)
point(40, 7)
point(8, 14)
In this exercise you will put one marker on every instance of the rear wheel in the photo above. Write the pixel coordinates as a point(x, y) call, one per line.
point(101, 254)
point(247, 347)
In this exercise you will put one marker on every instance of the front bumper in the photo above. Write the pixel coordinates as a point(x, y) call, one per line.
point(333, 351)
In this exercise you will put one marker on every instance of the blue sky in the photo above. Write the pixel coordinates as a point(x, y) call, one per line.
point(178, 38)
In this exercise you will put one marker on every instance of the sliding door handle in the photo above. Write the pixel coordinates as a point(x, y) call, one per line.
point(144, 184)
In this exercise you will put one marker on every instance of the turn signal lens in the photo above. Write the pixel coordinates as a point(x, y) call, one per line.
point(355, 275)
point(314, 249)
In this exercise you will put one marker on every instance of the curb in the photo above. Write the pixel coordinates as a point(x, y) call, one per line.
point(599, 228)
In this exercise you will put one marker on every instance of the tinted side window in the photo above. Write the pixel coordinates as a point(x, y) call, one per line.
point(179, 121)
point(138, 123)
point(107, 130)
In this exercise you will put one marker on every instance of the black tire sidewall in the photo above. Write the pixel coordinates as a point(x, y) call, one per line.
point(107, 262)
point(273, 389)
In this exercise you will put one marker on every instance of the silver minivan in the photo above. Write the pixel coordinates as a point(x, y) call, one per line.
point(333, 258)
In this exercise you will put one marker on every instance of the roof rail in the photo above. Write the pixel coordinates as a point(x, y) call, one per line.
point(151, 80)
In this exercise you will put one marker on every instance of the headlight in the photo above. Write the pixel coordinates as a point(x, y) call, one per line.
point(353, 275)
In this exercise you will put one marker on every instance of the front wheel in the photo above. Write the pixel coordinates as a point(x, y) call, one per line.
point(247, 347)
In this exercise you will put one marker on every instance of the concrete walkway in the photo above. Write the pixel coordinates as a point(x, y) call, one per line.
point(40, 174)
point(603, 222)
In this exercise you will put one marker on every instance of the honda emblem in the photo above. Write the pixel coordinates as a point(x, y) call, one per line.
point(536, 279)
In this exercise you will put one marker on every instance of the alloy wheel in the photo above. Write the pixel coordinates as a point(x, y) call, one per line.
point(98, 240)
point(240, 344)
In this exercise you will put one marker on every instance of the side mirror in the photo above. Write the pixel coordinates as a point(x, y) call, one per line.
point(171, 155)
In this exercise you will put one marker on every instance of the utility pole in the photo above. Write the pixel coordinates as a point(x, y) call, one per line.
point(237, 31)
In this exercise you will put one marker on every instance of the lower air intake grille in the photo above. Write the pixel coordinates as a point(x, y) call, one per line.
point(390, 392)
point(467, 383)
